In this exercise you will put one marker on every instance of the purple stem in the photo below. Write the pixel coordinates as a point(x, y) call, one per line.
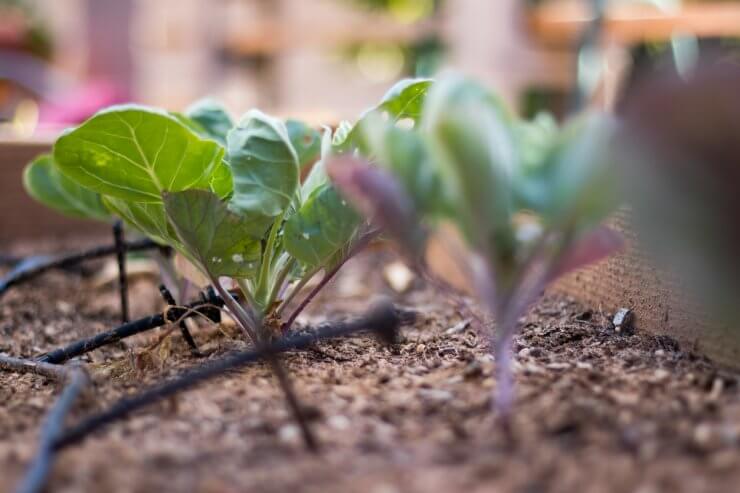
point(324, 281)
point(362, 242)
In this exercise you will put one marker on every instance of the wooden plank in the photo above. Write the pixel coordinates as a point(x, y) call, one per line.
point(20, 216)
point(561, 23)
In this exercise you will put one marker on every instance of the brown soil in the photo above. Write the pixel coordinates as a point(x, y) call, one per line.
point(596, 410)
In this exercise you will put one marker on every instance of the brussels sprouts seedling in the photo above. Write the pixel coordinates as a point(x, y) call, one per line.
point(526, 196)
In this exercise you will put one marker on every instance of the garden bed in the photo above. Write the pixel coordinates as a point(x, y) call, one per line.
point(597, 410)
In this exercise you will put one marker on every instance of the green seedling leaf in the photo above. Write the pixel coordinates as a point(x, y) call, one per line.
point(46, 184)
point(135, 153)
point(264, 166)
point(318, 176)
point(581, 183)
point(405, 99)
point(323, 226)
point(476, 156)
point(212, 117)
point(214, 236)
point(305, 140)
point(402, 104)
point(405, 154)
point(341, 134)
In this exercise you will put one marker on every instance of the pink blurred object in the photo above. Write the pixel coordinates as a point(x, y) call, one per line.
point(81, 102)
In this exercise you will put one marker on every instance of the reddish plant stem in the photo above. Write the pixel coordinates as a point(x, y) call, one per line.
point(20, 365)
point(362, 242)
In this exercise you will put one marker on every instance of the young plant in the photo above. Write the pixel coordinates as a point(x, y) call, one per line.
point(227, 197)
point(526, 197)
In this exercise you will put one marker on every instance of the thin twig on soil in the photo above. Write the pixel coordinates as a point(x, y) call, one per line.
point(21, 365)
point(208, 306)
point(20, 275)
point(170, 300)
point(382, 318)
point(120, 243)
point(53, 427)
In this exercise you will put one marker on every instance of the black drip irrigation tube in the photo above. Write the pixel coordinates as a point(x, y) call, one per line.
point(52, 429)
point(27, 269)
point(383, 319)
point(208, 306)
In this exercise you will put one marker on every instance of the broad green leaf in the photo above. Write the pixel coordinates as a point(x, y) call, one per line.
point(213, 117)
point(476, 155)
point(46, 184)
point(221, 181)
point(305, 140)
point(135, 153)
point(323, 226)
point(264, 166)
point(214, 236)
point(148, 218)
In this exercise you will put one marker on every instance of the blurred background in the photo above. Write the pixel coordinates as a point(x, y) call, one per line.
point(325, 60)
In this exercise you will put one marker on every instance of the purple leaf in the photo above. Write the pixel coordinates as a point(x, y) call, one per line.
point(593, 246)
point(377, 195)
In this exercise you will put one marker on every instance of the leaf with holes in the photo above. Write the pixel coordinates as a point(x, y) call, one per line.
point(305, 140)
point(323, 226)
point(212, 235)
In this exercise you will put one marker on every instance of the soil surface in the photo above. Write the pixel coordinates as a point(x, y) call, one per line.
point(597, 410)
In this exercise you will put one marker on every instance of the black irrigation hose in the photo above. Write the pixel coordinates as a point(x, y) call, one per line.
point(21, 274)
point(208, 306)
point(383, 319)
point(52, 429)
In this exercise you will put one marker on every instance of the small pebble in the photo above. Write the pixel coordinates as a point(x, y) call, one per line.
point(458, 327)
point(623, 321)
point(289, 434)
point(338, 422)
